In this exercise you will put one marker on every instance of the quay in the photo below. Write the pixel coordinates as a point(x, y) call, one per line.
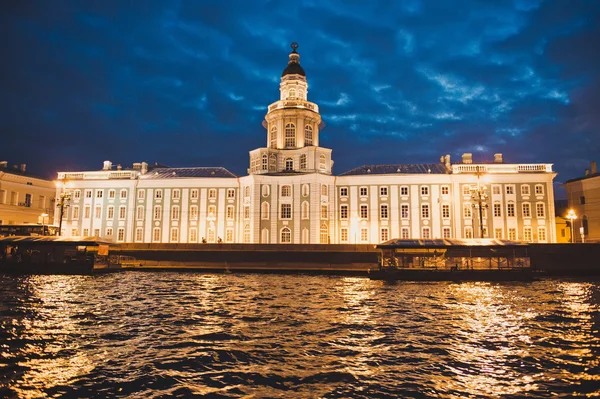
point(576, 260)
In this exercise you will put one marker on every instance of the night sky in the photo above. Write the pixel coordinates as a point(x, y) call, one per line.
point(187, 83)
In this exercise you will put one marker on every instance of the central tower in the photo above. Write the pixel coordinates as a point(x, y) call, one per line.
point(293, 124)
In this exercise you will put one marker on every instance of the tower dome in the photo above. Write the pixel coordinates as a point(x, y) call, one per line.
point(293, 67)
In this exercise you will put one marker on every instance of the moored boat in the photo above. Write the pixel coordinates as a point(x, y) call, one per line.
point(55, 255)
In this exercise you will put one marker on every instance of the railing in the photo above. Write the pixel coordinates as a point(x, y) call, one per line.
point(502, 168)
point(294, 103)
point(98, 175)
point(532, 168)
point(469, 168)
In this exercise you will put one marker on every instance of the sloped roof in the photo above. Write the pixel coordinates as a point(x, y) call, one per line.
point(179, 173)
point(394, 169)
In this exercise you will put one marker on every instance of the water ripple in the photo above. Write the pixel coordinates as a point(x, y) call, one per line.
point(144, 335)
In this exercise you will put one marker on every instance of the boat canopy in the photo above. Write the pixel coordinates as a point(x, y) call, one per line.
point(454, 242)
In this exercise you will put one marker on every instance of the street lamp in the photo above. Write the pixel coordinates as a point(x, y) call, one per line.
point(44, 216)
point(64, 201)
point(572, 216)
point(480, 196)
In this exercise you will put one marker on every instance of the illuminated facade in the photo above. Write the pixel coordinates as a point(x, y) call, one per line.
point(24, 198)
point(583, 195)
point(291, 196)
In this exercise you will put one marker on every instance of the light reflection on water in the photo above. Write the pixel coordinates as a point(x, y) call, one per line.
point(226, 335)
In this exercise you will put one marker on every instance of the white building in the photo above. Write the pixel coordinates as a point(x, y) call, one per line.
point(291, 196)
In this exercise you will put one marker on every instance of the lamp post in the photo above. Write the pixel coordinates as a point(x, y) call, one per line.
point(64, 201)
point(44, 216)
point(480, 196)
point(572, 216)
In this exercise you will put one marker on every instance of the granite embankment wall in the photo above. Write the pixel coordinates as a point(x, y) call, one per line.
point(349, 259)
point(554, 259)
point(566, 259)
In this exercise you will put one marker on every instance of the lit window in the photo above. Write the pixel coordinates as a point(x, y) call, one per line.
point(74, 232)
point(446, 232)
point(264, 210)
point(290, 135)
point(265, 162)
point(383, 211)
point(286, 235)
point(308, 135)
point(194, 212)
point(289, 164)
point(303, 161)
point(99, 193)
point(322, 162)
point(246, 212)
point(158, 194)
point(541, 234)
point(88, 193)
point(524, 189)
point(193, 235)
point(539, 189)
point(157, 212)
point(273, 138)
point(364, 234)
point(212, 193)
point(272, 162)
point(110, 212)
point(156, 234)
point(467, 211)
point(176, 194)
point(86, 232)
point(292, 93)
point(122, 211)
point(510, 210)
point(405, 233)
point(174, 234)
point(526, 210)
point(446, 211)
point(364, 211)
point(139, 234)
point(344, 235)
point(139, 214)
point(175, 213)
point(527, 234)
point(120, 234)
point(344, 212)
point(510, 190)
point(123, 194)
point(496, 190)
point(75, 212)
point(109, 231)
point(77, 194)
point(384, 234)
point(404, 211)
point(141, 194)
point(86, 212)
point(468, 232)
point(286, 211)
point(194, 194)
point(324, 234)
point(498, 234)
point(466, 190)
point(230, 193)
point(497, 210)
point(111, 194)
point(425, 211)
point(247, 233)
point(286, 191)
point(324, 190)
point(540, 210)
point(229, 235)
point(512, 234)
point(426, 233)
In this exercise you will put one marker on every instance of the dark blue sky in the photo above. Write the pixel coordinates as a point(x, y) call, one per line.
point(187, 83)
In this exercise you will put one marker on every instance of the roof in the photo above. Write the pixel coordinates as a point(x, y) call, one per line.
point(53, 240)
point(392, 169)
point(178, 173)
point(590, 176)
point(456, 242)
point(293, 67)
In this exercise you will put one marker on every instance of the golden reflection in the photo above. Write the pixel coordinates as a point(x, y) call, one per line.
point(50, 306)
point(487, 313)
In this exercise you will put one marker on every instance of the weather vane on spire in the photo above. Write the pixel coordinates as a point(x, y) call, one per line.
point(294, 46)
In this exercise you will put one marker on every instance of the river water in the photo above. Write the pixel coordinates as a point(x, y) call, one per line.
point(145, 335)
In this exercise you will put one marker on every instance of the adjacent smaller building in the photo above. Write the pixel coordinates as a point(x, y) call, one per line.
point(583, 195)
point(24, 198)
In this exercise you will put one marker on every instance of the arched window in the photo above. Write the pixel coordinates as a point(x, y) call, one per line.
point(212, 212)
point(264, 210)
point(305, 236)
point(308, 135)
point(286, 235)
point(289, 164)
point(290, 135)
point(272, 162)
point(324, 235)
point(286, 191)
point(303, 161)
point(292, 93)
point(265, 161)
point(264, 236)
point(247, 233)
point(305, 210)
point(324, 190)
point(273, 138)
point(265, 190)
point(322, 162)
